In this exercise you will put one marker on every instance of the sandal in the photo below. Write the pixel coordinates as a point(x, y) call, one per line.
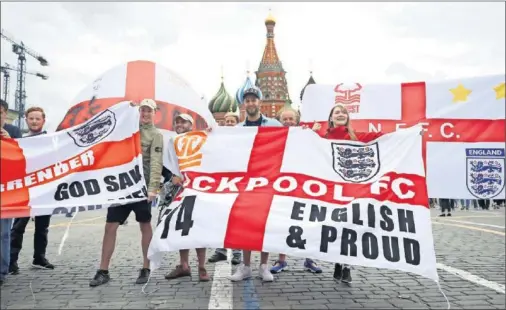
point(178, 272)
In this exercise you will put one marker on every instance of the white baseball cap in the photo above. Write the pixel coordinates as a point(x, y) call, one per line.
point(148, 103)
point(185, 117)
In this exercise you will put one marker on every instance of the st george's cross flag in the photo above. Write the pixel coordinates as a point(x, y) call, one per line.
point(287, 190)
point(464, 121)
point(97, 162)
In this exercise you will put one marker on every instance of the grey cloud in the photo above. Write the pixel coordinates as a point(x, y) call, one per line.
point(405, 73)
point(479, 22)
point(474, 31)
point(112, 20)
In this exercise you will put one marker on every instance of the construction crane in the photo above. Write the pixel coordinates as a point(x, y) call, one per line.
point(7, 80)
point(5, 70)
point(21, 50)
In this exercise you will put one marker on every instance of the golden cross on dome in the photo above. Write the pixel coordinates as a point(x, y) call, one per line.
point(222, 73)
point(270, 18)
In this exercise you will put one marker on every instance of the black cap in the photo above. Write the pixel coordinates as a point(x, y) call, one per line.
point(252, 91)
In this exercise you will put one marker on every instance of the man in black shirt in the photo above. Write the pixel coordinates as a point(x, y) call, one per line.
point(35, 119)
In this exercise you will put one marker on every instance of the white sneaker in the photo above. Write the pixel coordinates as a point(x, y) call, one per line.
point(242, 273)
point(265, 273)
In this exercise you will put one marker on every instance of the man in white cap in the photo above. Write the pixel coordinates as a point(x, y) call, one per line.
point(183, 124)
point(152, 151)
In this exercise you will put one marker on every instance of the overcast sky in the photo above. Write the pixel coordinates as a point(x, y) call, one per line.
point(364, 42)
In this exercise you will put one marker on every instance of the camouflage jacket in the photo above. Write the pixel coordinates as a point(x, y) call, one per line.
point(152, 155)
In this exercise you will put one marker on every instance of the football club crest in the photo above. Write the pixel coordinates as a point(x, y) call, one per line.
point(355, 163)
point(94, 130)
point(485, 172)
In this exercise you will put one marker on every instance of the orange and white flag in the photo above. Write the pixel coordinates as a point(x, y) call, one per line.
point(97, 162)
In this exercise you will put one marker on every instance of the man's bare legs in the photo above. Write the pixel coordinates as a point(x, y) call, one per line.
point(183, 269)
point(146, 236)
point(184, 258)
point(244, 271)
point(264, 257)
point(108, 244)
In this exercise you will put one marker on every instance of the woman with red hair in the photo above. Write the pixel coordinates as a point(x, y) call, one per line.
point(339, 127)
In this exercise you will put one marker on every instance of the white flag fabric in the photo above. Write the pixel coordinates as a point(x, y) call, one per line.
point(464, 121)
point(290, 191)
point(97, 162)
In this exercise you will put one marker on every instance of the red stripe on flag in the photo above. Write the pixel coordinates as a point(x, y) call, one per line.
point(140, 80)
point(414, 96)
point(15, 203)
point(248, 216)
point(106, 155)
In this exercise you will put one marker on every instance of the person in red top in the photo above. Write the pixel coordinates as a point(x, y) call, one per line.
point(339, 128)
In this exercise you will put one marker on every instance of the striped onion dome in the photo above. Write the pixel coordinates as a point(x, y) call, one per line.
point(222, 101)
point(240, 92)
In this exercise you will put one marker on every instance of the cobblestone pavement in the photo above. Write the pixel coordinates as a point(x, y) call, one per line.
point(461, 244)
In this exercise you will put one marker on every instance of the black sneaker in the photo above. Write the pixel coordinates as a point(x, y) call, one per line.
point(442, 215)
point(13, 268)
point(346, 275)
point(236, 259)
point(143, 276)
point(449, 214)
point(42, 264)
point(338, 271)
point(216, 257)
point(101, 277)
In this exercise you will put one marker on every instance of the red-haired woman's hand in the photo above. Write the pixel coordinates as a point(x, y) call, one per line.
point(317, 126)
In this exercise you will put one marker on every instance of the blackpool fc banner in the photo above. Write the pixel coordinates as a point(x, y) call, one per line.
point(287, 190)
point(97, 162)
point(464, 120)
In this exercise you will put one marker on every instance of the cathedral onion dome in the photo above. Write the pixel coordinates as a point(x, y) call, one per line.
point(240, 92)
point(270, 19)
point(222, 101)
point(309, 82)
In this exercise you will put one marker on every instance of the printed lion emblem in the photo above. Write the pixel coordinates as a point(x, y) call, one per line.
point(356, 163)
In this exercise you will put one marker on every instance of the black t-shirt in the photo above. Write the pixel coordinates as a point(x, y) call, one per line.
point(256, 123)
point(13, 131)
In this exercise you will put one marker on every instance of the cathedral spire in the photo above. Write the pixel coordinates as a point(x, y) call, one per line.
point(270, 77)
point(270, 59)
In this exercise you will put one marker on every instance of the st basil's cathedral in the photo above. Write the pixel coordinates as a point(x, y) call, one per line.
point(270, 79)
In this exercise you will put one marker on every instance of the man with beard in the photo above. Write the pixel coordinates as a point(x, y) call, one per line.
point(291, 118)
point(8, 131)
point(35, 119)
point(152, 150)
point(251, 100)
point(184, 124)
